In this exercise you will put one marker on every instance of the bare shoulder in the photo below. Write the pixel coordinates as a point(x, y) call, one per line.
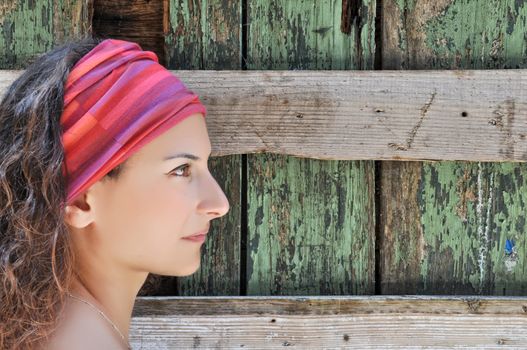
point(81, 328)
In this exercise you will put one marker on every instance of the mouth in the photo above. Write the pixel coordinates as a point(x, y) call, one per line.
point(198, 236)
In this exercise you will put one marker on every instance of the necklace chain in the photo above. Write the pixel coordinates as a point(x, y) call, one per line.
point(103, 315)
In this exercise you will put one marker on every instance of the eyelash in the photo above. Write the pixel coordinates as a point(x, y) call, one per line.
point(184, 166)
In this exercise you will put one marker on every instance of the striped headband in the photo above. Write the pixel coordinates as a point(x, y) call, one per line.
point(117, 99)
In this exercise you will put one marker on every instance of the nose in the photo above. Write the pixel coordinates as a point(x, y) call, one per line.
point(214, 202)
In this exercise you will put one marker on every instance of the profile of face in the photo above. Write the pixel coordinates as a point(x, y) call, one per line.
point(139, 219)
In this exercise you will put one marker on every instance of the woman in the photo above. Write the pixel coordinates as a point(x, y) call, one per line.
point(103, 174)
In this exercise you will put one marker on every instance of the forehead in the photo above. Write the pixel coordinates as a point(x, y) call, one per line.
point(190, 135)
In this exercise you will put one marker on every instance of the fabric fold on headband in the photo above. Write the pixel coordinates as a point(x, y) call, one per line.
point(117, 99)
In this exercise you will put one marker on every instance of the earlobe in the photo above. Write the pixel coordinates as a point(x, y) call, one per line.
point(78, 214)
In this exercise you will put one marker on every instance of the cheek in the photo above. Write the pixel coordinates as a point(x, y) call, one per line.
point(158, 211)
point(147, 229)
point(172, 207)
point(160, 218)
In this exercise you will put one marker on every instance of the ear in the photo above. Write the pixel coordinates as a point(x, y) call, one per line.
point(79, 214)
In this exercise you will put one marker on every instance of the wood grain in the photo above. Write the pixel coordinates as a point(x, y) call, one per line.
point(141, 21)
point(31, 28)
point(445, 224)
point(364, 115)
point(373, 322)
point(309, 223)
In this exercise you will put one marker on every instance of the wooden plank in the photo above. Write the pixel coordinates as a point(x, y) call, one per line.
point(30, 28)
point(310, 228)
point(204, 34)
point(445, 225)
point(330, 305)
point(141, 21)
point(207, 35)
point(364, 115)
point(373, 322)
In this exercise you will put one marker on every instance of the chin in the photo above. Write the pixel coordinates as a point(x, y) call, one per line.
point(186, 273)
point(179, 271)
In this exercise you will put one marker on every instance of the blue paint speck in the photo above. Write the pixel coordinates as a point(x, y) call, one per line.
point(509, 245)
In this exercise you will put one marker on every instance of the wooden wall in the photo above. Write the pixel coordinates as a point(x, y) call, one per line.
point(444, 225)
point(312, 227)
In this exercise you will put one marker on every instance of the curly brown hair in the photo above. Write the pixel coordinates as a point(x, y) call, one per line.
point(36, 257)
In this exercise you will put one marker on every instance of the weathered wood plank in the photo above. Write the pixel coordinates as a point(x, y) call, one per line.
point(373, 322)
point(446, 225)
point(141, 21)
point(330, 305)
point(310, 226)
point(309, 231)
point(30, 28)
point(382, 115)
point(206, 35)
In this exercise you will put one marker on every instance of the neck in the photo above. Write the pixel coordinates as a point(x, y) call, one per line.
point(114, 295)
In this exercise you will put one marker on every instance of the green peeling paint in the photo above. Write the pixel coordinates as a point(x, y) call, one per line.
point(310, 222)
point(467, 210)
point(25, 32)
point(480, 34)
point(310, 226)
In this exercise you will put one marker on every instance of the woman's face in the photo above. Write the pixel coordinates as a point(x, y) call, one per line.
point(140, 219)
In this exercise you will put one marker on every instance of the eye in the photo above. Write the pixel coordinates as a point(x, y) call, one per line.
point(177, 171)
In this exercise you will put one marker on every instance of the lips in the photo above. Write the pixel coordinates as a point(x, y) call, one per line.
point(199, 234)
point(196, 238)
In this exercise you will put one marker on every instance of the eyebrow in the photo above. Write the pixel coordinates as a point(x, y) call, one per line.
point(182, 155)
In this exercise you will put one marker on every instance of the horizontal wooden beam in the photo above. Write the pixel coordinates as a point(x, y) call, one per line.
point(316, 322)
point(472, 115)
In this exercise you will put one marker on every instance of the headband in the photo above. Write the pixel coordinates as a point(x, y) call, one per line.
point(117, 98)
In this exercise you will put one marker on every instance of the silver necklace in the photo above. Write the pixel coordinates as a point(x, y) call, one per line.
point(103, 315)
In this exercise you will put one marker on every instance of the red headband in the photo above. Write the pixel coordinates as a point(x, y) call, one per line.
point(117, 99)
